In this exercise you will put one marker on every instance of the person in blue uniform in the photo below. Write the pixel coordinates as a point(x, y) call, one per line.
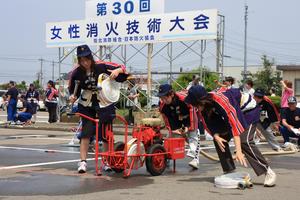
point(26, 114)
point(88, 104)
point(12, 99)
point(32, 97)
point(290, 122)
point(223, 119)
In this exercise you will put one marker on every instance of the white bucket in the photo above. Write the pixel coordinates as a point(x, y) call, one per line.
point(109, 90)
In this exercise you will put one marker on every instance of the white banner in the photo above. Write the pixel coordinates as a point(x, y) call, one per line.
point(193, 25)
point(104, 8)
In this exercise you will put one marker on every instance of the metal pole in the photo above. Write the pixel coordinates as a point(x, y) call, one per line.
point(101, 52)
point(53, 70)
point(59, 64)
point(218, 50)
point(59, 78)
point(170, 54)
point(110, 54)
point(245, 43)
point(149, 63)
point(223, 41)
point(41, 60)
point(201, 62)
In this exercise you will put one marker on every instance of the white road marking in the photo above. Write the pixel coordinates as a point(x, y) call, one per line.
point(42, 150)
point(41, 164)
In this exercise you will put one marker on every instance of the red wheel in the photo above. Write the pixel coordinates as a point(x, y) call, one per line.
point(157, 164)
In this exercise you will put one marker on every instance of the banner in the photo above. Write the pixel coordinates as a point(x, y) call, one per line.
point(103, 8)
point(181, 26)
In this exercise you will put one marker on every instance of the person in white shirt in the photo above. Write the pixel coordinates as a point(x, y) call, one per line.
point(248, 87)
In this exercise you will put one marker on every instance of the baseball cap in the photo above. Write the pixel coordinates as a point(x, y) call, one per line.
point(196, 92)
point(259, 93)
point(83, 51)
point(164, 90)
point(292, 100)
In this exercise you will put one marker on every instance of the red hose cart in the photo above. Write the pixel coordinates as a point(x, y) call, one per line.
point(147, 145)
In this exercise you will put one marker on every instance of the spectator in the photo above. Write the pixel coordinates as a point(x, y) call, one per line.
point(272, 92)
point(227, 83)
point(32, 97)
point(26, 114)
point(51, 101)
point(195, 81)
point(248, 87)
point(132, 101)
point(290, 121)
point(287, 92)
point(62, 98)
point(12, 99)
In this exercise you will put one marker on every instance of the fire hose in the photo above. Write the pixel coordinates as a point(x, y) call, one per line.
point(269, 153)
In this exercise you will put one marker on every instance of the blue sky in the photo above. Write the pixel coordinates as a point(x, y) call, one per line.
point(273, 30)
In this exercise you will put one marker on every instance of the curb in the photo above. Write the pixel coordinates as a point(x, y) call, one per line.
point(118, 130)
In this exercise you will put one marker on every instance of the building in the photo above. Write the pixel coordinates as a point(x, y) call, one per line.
point(291, 73)
point(236, 71)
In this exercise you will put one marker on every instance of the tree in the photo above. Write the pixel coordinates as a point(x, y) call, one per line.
point(267, 78)
point(4, 86)
point(22, 86)
point(184, 79)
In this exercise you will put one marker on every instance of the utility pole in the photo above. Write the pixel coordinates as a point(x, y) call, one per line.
point(245, 43)
point(41, 60)
point(52, 70)
point(170, 54)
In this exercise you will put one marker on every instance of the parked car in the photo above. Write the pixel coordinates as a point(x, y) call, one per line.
point(41, 106)
point(19, 104)
point(2, 102)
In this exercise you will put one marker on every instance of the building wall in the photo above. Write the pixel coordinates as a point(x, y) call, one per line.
point(236, 71)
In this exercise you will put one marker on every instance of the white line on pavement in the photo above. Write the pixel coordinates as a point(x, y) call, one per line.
point(42, 164)
point(42, 150)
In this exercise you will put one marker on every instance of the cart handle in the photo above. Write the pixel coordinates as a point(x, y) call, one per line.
point(84, 116)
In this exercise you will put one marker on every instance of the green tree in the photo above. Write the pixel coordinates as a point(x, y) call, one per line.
point(267, 78)
point(4, 86)
point(184, 79)
point(22, 86)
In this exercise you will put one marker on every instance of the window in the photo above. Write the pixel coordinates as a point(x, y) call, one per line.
point(297, 87)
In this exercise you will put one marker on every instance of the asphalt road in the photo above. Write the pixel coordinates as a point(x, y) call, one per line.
point(37, 164)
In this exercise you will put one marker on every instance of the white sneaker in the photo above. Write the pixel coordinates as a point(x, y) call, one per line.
point(279, 150)
point(194, 164)
point(270, 178)
point(191, 154)
point(286, 145)
point(82, 167)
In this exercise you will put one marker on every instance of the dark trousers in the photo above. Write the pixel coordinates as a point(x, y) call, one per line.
point(253, 155)
point(11, 110)
point(130, 116)
point(52, 113)
point(286, 134)
point(201, 127)
point(24, 116)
